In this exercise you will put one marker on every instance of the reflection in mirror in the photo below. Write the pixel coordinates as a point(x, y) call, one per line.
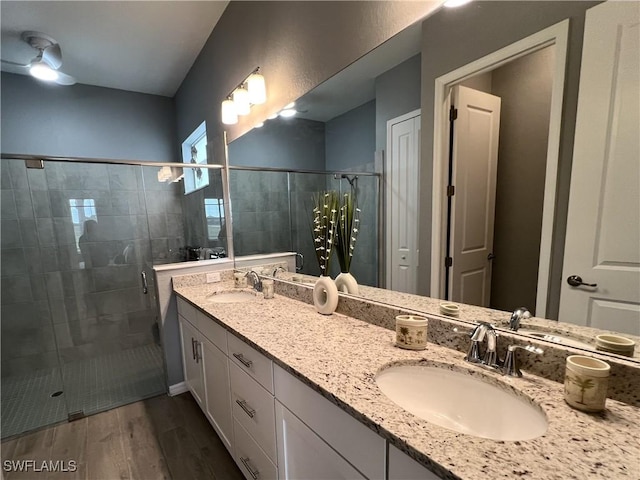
point(395, 83)
point(272, 212)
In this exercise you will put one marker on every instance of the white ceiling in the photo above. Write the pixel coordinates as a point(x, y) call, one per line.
point(141, 46)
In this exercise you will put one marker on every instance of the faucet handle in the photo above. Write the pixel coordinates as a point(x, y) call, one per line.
point(510, 367)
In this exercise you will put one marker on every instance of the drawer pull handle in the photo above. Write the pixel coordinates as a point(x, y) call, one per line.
point(193, 347)
point(254, 473)
point(242, 360)
point(247, 409)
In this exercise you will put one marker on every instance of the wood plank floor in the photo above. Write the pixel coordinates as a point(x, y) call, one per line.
point(159, 438)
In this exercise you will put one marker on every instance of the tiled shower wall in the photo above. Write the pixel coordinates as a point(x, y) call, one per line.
point(266, 220)
point(48, 296)
point(260, 209)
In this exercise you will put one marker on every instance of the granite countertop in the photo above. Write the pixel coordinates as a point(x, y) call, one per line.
point(339, 357)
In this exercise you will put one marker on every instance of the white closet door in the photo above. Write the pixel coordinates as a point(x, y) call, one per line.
point(401, 179)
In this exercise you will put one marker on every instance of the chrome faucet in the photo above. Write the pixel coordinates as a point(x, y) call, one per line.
point(257, 283)
point(520, 314)
point(478, 334)
point(511, 368)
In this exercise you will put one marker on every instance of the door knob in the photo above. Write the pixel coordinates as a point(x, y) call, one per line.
point(576, 281)
point(491, 256)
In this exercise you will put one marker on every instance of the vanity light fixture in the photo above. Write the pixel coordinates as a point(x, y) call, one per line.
point(241, 100)
point(456, 3)
point(251, 91)
point(229, 112)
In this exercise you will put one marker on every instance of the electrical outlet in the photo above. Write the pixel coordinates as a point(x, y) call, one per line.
point(213, 277)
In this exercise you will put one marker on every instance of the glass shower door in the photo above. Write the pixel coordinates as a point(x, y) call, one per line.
point(106, 329)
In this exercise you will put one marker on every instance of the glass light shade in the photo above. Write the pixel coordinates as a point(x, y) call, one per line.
point(42, 71)
point(229, 113)
point(241, 99)
point(257, 89)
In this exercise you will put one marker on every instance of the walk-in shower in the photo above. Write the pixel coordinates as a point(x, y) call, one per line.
point(78, 242)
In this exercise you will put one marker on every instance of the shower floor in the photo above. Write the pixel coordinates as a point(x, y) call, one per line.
point(89, 386)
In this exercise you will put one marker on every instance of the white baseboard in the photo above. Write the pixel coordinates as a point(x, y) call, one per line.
point(177, 389)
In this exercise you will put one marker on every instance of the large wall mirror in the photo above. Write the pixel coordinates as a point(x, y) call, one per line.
point(363, 127)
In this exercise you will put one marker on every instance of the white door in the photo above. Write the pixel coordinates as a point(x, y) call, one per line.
point(602, 245)
point(401, 193)
point(475, 163)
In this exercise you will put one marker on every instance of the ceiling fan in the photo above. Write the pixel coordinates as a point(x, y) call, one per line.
point(48, 60)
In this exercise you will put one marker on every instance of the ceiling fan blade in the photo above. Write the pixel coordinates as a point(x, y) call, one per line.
point(53, 56)
point(15, 64)
point(64, 79)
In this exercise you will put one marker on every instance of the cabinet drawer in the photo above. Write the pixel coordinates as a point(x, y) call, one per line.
point(187, 311)
point(213, 331)
point(253, 462)
point(253, 408)
point(360, 446)
point(252, 362)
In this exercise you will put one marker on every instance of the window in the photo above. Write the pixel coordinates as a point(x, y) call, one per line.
point(82, 209)
point(194, 150)
point(214, 211)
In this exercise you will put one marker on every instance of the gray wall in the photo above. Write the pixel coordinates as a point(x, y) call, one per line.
point(350, 138)
point(85, 121)
point(290, 143)
point(482, 28)
point(397, 93)
point(524, 86)
point(298, 45)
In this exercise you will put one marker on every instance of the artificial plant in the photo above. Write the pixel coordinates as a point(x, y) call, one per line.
point(324, 228)
point(348, 227)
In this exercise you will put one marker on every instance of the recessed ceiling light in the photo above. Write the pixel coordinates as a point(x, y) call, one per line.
point(288, 112)
point(272, 116)
point(455, 3)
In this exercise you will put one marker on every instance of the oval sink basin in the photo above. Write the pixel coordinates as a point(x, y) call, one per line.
point(462, 403)
point(560, 339)
point(240, 296)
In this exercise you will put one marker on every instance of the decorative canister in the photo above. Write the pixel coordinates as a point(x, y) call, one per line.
point(585, 383)
point(239, 280)
point(267, 288)
point(615, 344)
point(411, 332)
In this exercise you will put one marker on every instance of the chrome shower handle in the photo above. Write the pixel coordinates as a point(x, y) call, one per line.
point(145, 286)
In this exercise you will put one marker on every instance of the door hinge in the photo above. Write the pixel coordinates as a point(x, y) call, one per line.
point(451, 190)
point(448, 262)
point(453, 113)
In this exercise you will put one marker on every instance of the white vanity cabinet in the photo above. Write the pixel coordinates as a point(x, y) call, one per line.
point(403, 467)
point(274, 425)
point(253, 411)
point(192, 367)
point(317, 439)
point(206, 368)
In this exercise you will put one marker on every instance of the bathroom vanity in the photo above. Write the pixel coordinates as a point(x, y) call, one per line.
point(293, 394)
